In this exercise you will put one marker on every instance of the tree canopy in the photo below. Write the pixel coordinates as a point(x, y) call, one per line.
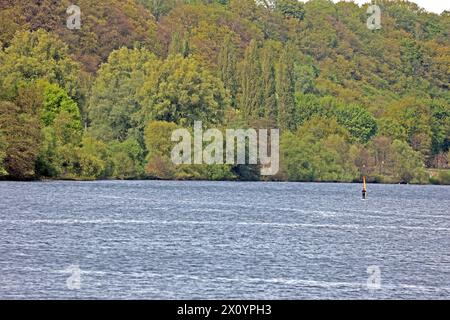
point(94, 103)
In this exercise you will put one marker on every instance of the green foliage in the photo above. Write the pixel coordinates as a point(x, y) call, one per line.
point(19, 127)
point(286, 90)
point(127, 159)
point(440, 126)
point(392, 128)
point(250, 75)
point(408, 164)
point(305, 76)
point(56, 101)
point(158, 138)
point(87, 161)
point(159, 164)
point(207, 26)
point(182, 90)
point(159, 8)
point(58, 154)
point(93, 158)
point(61, 132)
point(227, 65)
point(414, 115)
point(204, 172)
point(36, 55)
point(114, 98)
point(105, 26)
point(158, 142)
point(91, 166)
point(2, 155)
point(269, 107)
point(390, 161)
point(348, 100)
point(443, 177)
point(67, 131)
point(179, 45)
point(308, 106)
point(319, 151)
point(358, 121)
point(297, 158)
point(291, 8)
point(47, 161)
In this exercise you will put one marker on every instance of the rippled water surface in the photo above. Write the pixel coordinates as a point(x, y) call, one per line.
point(192, 240)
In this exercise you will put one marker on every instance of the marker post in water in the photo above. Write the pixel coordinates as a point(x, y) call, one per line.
point(364, 190)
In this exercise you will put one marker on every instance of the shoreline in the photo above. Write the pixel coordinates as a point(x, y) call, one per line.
point(203, 180)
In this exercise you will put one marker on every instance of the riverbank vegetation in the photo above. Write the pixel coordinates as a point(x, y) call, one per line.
point(101, 102)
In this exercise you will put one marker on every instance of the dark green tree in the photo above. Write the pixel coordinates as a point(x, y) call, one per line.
point(286, 90)
point(251, 83)
point(227, 65)
point(291, 8)
point(20, 129)
point(269, 108)
point(180, 44)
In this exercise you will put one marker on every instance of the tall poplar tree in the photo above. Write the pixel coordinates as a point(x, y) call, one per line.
point(269, 108)
point(251, 95)
point(286, 90)
point(179, 45)
point(228, 68)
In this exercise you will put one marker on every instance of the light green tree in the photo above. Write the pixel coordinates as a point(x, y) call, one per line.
point(127, 159)
point(182, 90)
point(55, 101)
point(36, 55)
point(408, 164)
point(114, 98)
point(159, 145)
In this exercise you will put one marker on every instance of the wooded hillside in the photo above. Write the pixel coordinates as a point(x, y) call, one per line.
point(101, 101)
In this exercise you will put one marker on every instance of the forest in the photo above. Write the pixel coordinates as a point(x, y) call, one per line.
point(100, 102)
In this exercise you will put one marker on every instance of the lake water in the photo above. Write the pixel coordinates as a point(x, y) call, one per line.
point(224, 240)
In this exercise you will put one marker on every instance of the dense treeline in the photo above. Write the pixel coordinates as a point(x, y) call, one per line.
point(102, 101)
